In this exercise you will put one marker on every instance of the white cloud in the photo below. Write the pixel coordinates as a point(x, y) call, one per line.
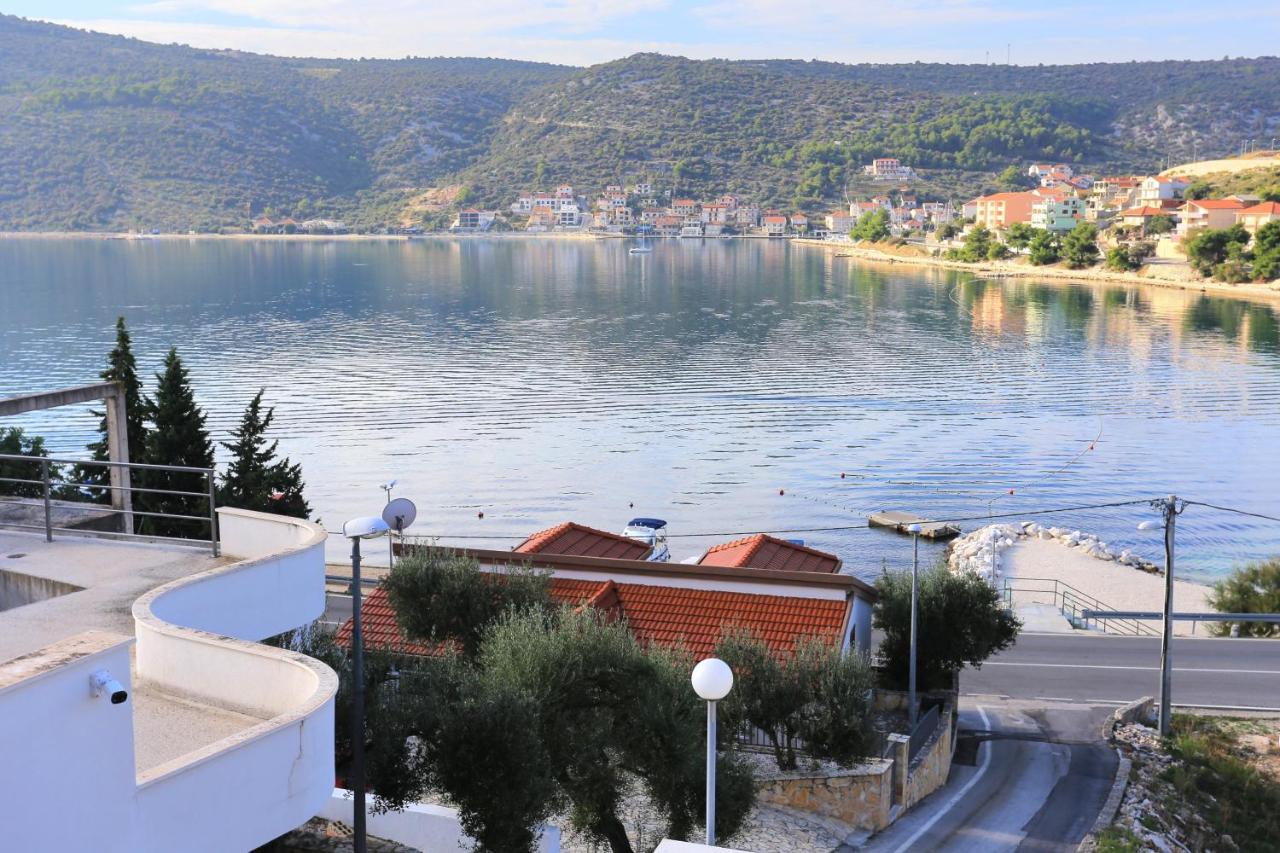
point(861, 18)
point(584, 32)
point(424, 18)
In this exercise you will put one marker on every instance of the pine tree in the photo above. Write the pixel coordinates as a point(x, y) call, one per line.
point(122, 368)
point(178, 437)
point(254, 479)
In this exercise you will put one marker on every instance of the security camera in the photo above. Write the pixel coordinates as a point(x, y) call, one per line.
point(101, 682)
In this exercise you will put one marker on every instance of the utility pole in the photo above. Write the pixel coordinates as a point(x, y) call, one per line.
point(912, 706)
point(1170, 509)
point(357, 703)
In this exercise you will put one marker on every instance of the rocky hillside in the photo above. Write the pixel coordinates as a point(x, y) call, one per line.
point(101, 131)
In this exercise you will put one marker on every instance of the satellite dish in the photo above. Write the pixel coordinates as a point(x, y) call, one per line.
point(399, 514)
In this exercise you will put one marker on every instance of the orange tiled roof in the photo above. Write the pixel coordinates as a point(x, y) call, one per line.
point(1144, 211)
point(1216, 204)
point(668, 616)
point(583, 541)
point(762, 551)
point(1265, 208)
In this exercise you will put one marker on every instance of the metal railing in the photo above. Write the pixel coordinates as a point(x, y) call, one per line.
point(1080, 608)
point(51, 491)
point(925, 727)
point(757, 739)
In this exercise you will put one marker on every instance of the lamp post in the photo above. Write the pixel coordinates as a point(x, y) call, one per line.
point(914, 530)
point(1169, 508)
point(355, 530)
point(712, 680)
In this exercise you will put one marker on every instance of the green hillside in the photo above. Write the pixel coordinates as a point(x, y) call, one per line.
point(104, 132)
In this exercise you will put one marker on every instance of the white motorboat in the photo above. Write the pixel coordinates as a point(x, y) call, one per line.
point(652, 531)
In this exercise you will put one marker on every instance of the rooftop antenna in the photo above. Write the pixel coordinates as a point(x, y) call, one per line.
point(398, 514)
point(387, 487)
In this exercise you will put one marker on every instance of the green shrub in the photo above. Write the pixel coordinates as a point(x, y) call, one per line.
point(1254, 588)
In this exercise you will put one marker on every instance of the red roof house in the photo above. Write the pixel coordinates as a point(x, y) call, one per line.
point(762, 551)
point(670, 616)
point(580, 540)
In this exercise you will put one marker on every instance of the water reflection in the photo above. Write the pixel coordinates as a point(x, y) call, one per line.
point(540, 380)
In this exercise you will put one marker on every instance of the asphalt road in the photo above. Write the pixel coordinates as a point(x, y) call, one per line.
point(1207, 673)
point(1035, 782)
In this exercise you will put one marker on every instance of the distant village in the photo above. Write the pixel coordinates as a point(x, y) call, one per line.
point(1057, 199)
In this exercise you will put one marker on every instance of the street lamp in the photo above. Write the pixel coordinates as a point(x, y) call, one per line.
point(712, 680)
point(914, 530)
point(369, 527)
point(1169, 508)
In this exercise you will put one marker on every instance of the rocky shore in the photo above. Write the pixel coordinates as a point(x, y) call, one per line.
point(974, 551)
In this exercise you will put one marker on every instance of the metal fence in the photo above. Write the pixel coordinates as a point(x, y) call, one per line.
point(1079, 607)
point(757, 739)
point(925, 727)
point(49, 490)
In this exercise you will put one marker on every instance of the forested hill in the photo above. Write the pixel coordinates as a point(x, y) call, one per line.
point(101, 131)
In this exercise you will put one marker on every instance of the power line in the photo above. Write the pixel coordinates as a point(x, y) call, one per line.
point(832, 529)
point(1232, 509)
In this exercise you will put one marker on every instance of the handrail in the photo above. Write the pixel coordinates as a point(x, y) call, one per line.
point(121, 495)
point(1077, 605)
point(143, 465)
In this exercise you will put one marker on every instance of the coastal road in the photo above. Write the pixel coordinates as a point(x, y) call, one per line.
point(1207, 673)
point(1026, 776)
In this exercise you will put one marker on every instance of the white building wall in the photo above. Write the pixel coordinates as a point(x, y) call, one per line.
point(68, 779)
point(862, 625)
point(71, 779)
point(421, 825)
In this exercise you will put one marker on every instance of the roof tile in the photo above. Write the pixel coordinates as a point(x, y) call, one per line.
point(582, 541)
point(762, 551)
point(695, 619)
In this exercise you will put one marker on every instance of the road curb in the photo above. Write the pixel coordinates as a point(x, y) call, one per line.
point(1137, 711)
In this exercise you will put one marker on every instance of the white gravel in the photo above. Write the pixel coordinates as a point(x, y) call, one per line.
point(1117, 586)
point(1029, 557)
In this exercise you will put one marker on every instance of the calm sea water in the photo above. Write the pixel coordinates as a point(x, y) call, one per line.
point(727, 386)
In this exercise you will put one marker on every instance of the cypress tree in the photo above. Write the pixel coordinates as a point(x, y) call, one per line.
point(122, 368)
point(255, 479)
point(178, 437)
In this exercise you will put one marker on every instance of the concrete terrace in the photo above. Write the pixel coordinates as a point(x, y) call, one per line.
point(218, 742)
point(112, 575)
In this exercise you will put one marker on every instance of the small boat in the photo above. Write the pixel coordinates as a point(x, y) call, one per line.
point(643, 249)
point(652, 531)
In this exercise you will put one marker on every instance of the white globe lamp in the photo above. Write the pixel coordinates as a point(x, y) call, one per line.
point(712, 679)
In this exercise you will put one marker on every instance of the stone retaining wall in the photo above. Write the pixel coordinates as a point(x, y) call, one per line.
point(932, 765)
point(863, 797)
point(859, 798)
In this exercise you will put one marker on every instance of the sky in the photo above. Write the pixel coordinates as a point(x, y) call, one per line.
point(584, 32)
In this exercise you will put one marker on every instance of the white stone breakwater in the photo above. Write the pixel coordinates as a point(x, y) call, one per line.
point(979, 551)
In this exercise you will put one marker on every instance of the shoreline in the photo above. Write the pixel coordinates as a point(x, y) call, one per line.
point(305, 238)
point(1094, 275)
point(1032, 559)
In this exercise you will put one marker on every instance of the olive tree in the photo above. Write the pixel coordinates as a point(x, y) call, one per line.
point(532, 710)
point(815, 698)
point(961, 622)
point(442, 595)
